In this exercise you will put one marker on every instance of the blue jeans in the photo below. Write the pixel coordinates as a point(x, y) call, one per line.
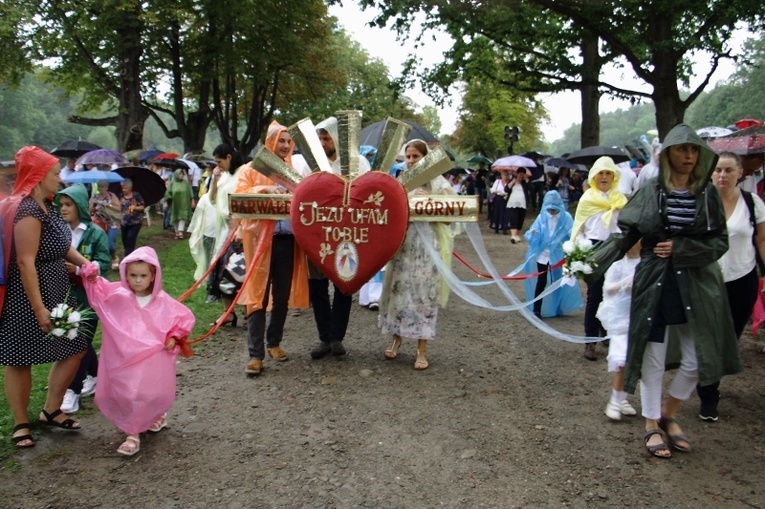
point(111, 234)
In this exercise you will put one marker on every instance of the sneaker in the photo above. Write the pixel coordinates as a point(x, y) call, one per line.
point(89, 385)
point(71, 402)
point(708, 413)
point(321, 351)
point(296, 312)
point(254, 367)
point(589, 352)
point(628, 409)
point(210, 299)
point(374, 306)
point(337, 348)
point(613, 410)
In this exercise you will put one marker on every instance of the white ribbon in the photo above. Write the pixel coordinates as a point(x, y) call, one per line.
point(465, 293)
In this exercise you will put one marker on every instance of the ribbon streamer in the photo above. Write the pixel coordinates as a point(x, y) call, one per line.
point(468, 295)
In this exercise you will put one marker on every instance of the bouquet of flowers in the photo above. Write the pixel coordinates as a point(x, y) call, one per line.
point(66, 320)
point(578, 258)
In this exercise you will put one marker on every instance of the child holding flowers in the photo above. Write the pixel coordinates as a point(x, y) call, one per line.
point(595, 220)
point(144, 329)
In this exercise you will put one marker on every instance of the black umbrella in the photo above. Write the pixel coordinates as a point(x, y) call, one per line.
point(73, 149)
point(173, 164)
point(560, 163)
point(148, 184)
point(590, 154)
point(372, 133)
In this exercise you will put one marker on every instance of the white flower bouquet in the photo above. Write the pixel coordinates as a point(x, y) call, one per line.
point(578, 256)
point(66, 320)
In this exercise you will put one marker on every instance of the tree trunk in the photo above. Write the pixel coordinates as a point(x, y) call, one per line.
point(670, 109)
point(131, 115)
point(590, 134)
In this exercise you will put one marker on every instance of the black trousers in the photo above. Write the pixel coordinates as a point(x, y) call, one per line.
point(541, 283)
point(592, 326)
point(331, 319)
point(130, 236)
point(278, 287)
point(742, 294)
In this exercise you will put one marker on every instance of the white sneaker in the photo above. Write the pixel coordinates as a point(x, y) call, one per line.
point(89, 385)
point(613, 410)
point(627, 409)
point(374, 306)
point(71, 402)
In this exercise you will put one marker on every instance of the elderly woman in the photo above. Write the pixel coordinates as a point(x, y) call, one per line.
point(678, 286)
point(36, 245)
point(498, 214)
point(595, 219)
point(132, 207)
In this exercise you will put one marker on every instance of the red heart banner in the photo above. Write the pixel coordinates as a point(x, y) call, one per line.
point(349, 229)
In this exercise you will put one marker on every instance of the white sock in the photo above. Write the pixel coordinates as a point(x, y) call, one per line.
point(618, 396)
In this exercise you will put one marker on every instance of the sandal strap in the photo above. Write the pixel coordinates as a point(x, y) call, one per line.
point(652, 432)
point(50, 417)
point(23, 425)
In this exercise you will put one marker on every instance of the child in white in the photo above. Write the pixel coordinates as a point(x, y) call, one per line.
point(614, 315)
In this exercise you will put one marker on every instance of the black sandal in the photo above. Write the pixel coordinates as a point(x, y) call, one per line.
point(654, 450)
point(21, 438)
point(66, 424)
point(674, 440)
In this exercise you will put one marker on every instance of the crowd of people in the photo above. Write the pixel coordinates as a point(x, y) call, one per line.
point(669, 251)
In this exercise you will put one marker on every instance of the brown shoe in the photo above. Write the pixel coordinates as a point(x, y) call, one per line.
point(277, 354)
point(254, 367)
point(589, 352)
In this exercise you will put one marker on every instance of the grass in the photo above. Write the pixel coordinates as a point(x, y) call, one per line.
point(177, 277)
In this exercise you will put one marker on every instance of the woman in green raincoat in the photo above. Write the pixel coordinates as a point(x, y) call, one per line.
point(678, 288)
point(179, 196)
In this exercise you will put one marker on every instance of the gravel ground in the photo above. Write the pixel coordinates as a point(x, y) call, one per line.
point(504, 417)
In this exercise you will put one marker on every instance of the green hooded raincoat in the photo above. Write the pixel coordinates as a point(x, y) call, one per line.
point(695, 251)
point(94, 245)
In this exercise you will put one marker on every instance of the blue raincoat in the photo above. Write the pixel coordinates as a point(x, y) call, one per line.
point(566, 298)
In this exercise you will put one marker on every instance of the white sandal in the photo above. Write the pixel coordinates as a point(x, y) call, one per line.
point(130, 446)
point(159, 425)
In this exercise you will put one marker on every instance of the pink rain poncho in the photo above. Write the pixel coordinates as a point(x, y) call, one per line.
point(136, 375)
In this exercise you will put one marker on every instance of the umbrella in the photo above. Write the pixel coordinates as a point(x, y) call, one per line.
point(372, 133)
point(173, 163)
point(480, 159)
point(93, 176)
point(101, 156)
point(560, 163)
point(744, 142)
point(505, 163)
point(589, 155)
point(713, 132)
point(151, 153)
point(73, 149)
point(148, 184)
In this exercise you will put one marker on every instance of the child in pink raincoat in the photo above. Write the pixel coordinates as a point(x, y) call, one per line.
point(143, 329)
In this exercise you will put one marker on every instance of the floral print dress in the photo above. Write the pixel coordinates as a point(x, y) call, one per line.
point(412, 285)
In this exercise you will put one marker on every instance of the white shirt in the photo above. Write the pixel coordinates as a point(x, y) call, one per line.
point(517, 197)
point(740, 259)
point(552, 223)
point(77, 233)
point(627, 180)
point(335, 165)
point(498, 187)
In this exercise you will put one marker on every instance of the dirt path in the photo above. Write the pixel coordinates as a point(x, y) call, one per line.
point(505, 417)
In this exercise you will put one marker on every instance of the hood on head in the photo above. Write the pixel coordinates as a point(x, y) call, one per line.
point(143, 254)
point(32, 164)
point(79, 196)
point(330, 125)
point(603, 164)
point(683, 134)
point(272, 140)
point(552, 200)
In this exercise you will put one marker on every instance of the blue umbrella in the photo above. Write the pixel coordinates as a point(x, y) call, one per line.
point(93, 176)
